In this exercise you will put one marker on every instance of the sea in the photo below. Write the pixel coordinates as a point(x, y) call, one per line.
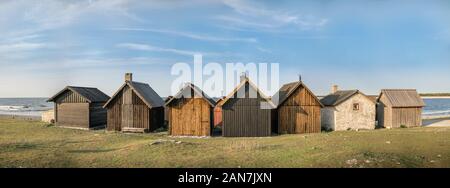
point(24, 106)
point(435, 107)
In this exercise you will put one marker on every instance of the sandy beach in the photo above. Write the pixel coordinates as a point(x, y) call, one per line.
point(437, 122)
point(435, 97)
point(21, 117)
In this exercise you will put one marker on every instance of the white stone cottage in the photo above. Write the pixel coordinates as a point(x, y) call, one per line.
point(348, 110)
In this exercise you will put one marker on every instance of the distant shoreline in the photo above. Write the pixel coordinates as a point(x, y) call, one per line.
point(435, 97)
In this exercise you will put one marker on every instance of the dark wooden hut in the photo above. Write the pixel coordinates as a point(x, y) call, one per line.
point(298, 109)
point(80, 107)
point(399, 107)
point(135, 107)
point(166, 111)
point(190, 112)
point(247, 112)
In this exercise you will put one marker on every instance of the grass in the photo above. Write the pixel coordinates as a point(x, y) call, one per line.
point(34, 144)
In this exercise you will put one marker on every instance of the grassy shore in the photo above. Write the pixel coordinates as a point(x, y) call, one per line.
point(25, 143)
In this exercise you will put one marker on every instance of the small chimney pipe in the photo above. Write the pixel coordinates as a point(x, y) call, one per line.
point(334, 88)
point(243, 77)
point(129, 77)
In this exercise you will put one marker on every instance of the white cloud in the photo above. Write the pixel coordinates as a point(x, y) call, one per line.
point(28, 18)
point(192, 35)
point(255, 15)
point(22, 46)
point(261, 49)
point(150, 48)
point(82, 63)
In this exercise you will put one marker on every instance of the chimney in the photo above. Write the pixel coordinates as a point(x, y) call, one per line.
point(299, 77)
point(243, 77)
point(334, 88)
point(129, 77)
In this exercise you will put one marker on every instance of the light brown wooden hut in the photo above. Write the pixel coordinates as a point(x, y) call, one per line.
point(399, 107)
point(135, 107)
point(190, 112)
point(80, 107)
point(298, 109)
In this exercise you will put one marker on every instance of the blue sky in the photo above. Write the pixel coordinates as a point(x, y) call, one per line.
point(367, 45)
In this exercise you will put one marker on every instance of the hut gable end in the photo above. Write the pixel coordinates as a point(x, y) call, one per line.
point(74, 94)
point(191, 91)
point(135, 107)
point(246, 90)
point(296, 93)
point(70, 97)
point(141, 90)
point(298, 109)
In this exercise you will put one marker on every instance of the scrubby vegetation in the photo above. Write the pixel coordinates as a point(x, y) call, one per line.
point(25, 143)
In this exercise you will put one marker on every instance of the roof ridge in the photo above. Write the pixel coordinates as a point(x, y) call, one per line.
point(346, 90)
point(83, 87)
point(138, 82)
point(398, 89)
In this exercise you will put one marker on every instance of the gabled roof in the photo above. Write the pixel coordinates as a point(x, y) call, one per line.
point(246, 80)
point(143, 91)
point(185, 92)
point(341, 96)
point(288, 89)
point(402, 97)
point(90, 94)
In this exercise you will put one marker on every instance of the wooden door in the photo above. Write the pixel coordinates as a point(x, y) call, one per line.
point(300, 123)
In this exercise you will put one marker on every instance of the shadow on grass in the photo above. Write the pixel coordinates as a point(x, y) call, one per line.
point(18, 146)
point(91, 150)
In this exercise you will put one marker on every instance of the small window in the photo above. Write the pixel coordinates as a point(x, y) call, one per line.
point(355, 106)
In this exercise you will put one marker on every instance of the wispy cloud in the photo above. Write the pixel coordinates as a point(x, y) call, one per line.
point(22, 46)
point(82, 63)
point(254, 15)
point(261, 49)
point(203, 37)
point(53, 14)
point(150, 48)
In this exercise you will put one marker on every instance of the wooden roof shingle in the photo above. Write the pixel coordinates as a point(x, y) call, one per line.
point(90, 94)
point(402, 97)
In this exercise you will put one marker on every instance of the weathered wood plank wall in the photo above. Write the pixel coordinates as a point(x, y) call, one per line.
point(243, 117)
point(409, 117)
point(73, 115)
point(190, 117)
point(97, 115)
point(115, 114)
point(300, 113)
point(71, 110)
